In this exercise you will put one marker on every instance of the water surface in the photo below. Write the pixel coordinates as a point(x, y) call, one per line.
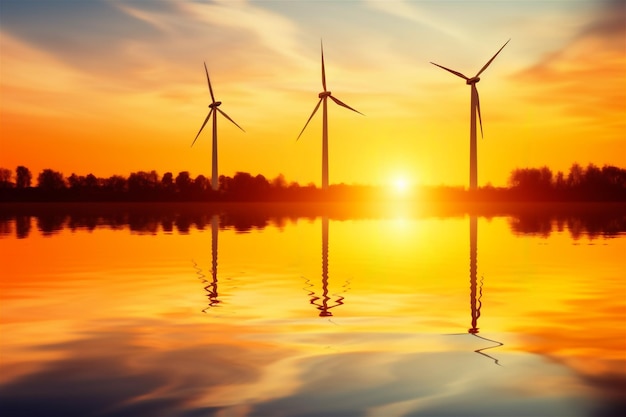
point(121, 310)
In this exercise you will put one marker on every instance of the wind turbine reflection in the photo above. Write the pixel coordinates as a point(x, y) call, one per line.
point(324, 303)
point(476, 293)
point(211, 286)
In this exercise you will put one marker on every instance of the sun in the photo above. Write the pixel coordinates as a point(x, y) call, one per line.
point(400, 185)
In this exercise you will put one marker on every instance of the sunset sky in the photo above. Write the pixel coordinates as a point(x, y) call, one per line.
point(116, 86)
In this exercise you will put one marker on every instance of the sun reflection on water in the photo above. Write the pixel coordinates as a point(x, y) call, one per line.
point(107, 305)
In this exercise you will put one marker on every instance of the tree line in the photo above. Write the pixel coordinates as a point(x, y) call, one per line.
point(51, 185)
point(589, 183)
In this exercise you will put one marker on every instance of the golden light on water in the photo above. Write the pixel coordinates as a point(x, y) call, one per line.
point(399, 285)
point(400, 185)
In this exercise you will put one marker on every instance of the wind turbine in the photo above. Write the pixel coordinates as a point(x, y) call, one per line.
point(323, 96)
point(214, 106)
point(474, 109)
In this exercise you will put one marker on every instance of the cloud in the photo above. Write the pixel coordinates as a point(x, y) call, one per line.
point(582, 78)
point(410, 11)
point(85, 34)
point(134, 46)
point(273, 31)
point(36, 82)
point(610, 23)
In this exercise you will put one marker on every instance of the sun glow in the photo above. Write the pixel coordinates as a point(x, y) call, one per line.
point(400, 185)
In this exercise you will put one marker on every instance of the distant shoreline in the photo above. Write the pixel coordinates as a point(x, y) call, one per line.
point(311, 195)
point(315, 207)
point(590, 184)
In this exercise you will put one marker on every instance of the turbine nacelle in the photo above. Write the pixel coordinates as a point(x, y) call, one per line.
point(215, 104)
point(473, 80)
point(324, 94)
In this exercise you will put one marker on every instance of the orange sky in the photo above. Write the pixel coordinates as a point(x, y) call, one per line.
point(109, 87)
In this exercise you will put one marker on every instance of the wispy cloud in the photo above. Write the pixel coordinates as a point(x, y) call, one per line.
point(35, 82)
point(405, 10)
point(584, 78)
point(273, 31)
point(84, 34)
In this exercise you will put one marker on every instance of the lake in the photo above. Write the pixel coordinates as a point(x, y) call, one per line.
point(397, 309)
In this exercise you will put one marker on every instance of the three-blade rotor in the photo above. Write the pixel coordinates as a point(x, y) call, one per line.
point(472, 82)
point(324, 95)
point(214, 106)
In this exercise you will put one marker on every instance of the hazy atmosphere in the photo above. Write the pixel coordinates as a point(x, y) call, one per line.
point(417, 209)
point(110, 87)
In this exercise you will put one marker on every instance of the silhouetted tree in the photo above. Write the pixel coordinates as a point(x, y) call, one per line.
point(559, 181)
point(23, 177)
point(183, 182)
point(261, 185)
point(5, 178)
point(531, 180)
point(242, 185)
point(115, 184)
point(279, 182)
point(143, 183)
point(200, 184)
point(50, 180)
point(575, 176)
point(167, 182)
point(614, 176)
point(75, 182)
point(245, 187)
point(592, 179)
point(91, 182)
point(224, 183)
point(545, 178)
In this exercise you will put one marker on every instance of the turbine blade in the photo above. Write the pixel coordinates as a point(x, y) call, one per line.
point(203, 124)
point(226, 116)
point(323, 69)
point(310, 117)
point(494, 57)
point(209, 81)
point(458, 74)
point(480, 119)
point(341, 103)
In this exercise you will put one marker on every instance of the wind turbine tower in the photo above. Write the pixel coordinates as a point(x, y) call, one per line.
point(474, 110)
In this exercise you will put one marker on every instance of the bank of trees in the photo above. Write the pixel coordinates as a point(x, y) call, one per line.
point(589, 183)
point(52, 185)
